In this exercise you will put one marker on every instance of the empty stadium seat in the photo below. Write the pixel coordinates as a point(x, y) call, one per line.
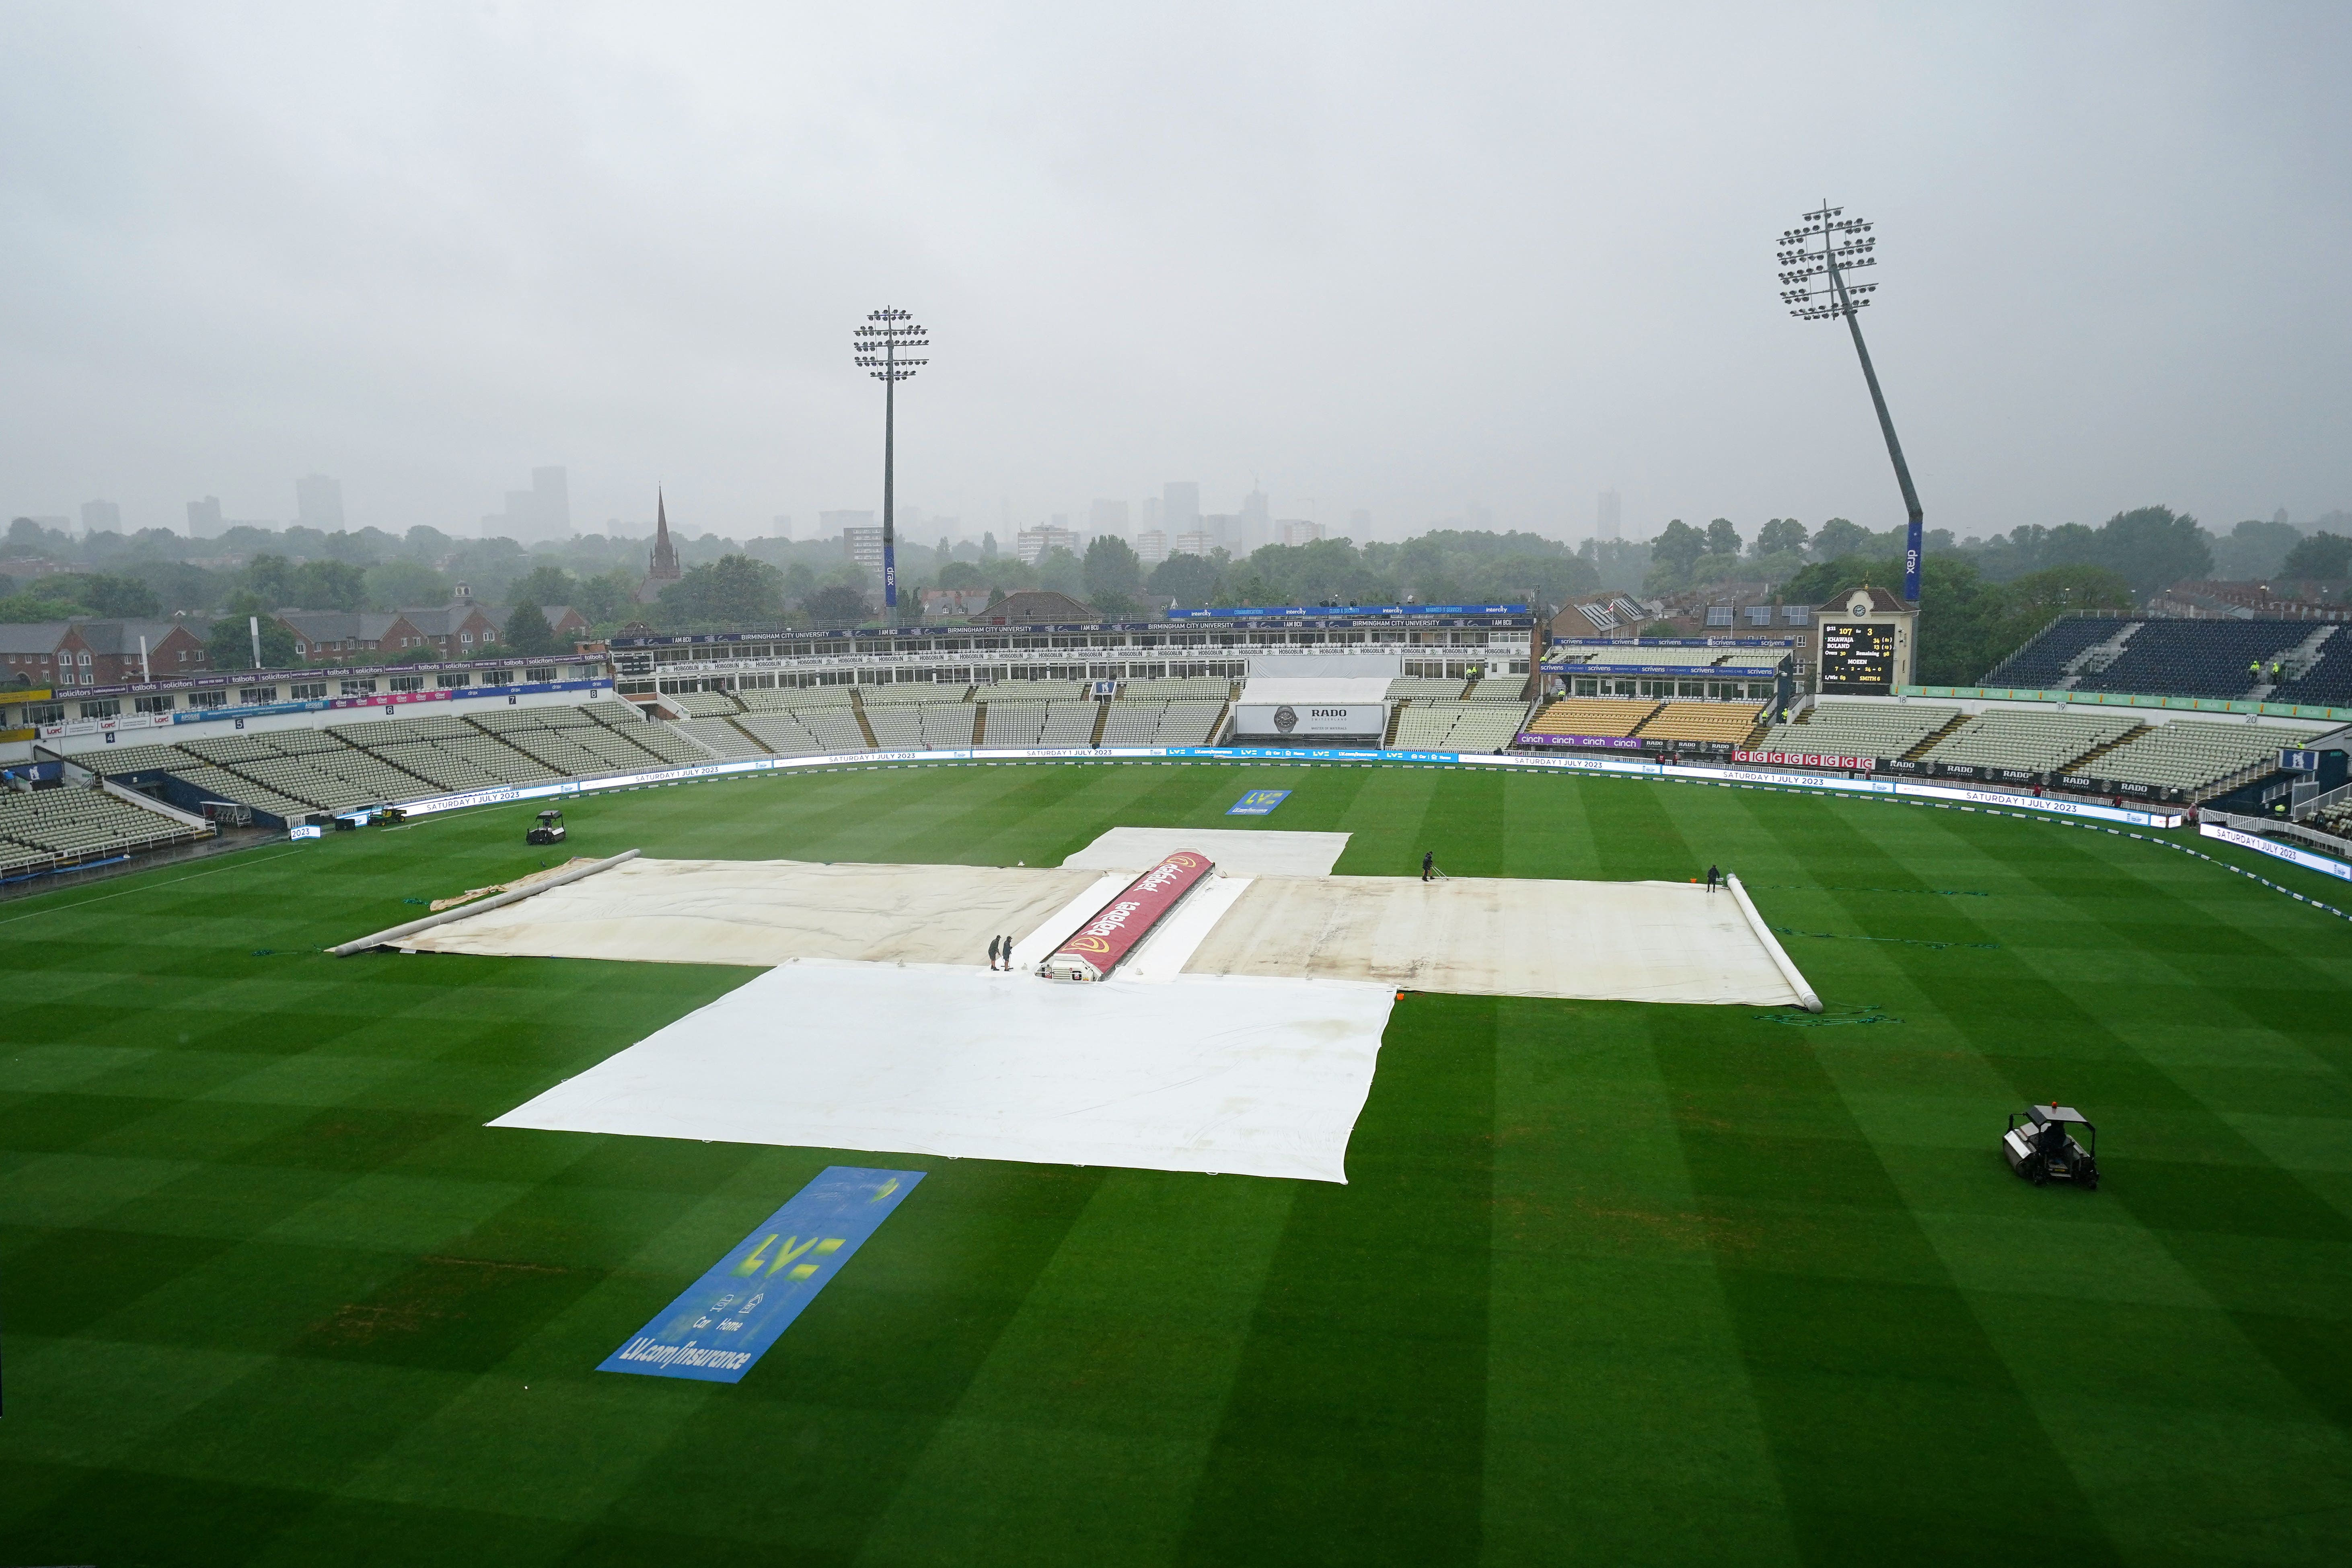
point(1603, 716)
point(2195, 658)
point(703, 704)
point(2042, 663)
point(1455, 725)
point(716, 737)
point(2036, 740)
point(1730, 722)
point(2328, 683)
point(40, 827)
point(1859, 729)
point(2197, 754)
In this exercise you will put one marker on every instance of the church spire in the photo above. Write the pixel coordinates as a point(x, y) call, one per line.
point(663, 566)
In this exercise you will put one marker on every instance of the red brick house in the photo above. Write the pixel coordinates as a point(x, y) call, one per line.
point(66, 654)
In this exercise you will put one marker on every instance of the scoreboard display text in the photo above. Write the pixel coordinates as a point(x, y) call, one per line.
point(1858, 660)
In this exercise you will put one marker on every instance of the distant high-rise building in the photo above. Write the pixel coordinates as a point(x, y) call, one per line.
point(319, 501)
point(542, 511)
point(101, 517)
point(1298, 531)
point(1152, 545)
point(783, 525)
point(552, 487)
point(860, 536)
point(1180, 506)
point(203, 518)
point(1193, 541)
point(1033, 542)
point(862, 542)
point(1359, 525)
point(1108, 517)
point(1151, 518)
point(1253, 525)
point(1610, 522)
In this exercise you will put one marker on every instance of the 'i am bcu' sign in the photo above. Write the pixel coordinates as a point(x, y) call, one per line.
point(727, 1319)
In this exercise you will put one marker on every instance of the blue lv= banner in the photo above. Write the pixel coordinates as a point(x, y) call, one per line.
point(1257, 803)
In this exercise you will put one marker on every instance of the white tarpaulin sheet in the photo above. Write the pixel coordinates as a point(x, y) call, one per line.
point(1253, 1077)
point(1328, 690)
point(1627, 942)
point(1238, 851)
point(766, 911)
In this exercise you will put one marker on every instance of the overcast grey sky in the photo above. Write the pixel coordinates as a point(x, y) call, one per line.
point(1404, 258)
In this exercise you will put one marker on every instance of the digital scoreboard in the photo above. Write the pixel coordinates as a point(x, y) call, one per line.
point(1858, 659)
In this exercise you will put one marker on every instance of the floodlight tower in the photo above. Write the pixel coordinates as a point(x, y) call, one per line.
point(1822, 250)
point(877, 345)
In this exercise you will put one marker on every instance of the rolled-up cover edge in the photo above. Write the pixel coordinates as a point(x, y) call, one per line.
point(387, 938)
point(1111, 933)
point(1805, 997)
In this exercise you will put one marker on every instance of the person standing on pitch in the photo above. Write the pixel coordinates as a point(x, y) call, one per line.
point(1428, 864)
point(994, 944)
point(1713, 876)
point(1008, 952)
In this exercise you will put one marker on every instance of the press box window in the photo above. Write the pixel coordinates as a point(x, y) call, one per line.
point(251, 694)
point(408, 683)
point(309, 691)
point(152, 704)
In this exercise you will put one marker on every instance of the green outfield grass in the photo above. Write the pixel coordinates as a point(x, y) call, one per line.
point(1610, 1283)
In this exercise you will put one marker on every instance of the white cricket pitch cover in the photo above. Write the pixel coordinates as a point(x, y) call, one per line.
point(768, 912)
point(1237, 851)
point(1485, 936)
point(1247, 1077)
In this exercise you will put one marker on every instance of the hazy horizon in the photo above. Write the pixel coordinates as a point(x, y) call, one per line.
point(1409, 263)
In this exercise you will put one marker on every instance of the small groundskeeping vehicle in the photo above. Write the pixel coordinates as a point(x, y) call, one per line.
point(548, 829)
point(2041, 1145)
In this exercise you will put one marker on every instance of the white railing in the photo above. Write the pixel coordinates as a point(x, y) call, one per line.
point(2269, 825)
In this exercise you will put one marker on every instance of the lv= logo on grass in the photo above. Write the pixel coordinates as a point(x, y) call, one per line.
point(727, 1319)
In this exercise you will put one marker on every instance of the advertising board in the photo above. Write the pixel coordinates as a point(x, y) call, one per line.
point(2322, 864)
point(1857, 658)
point(1808, 760)
point(1592, 742)
point(1286, 719)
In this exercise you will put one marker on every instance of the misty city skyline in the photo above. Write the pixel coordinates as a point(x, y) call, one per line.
point(1383, 266)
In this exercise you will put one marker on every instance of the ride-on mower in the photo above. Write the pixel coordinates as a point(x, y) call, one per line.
point(548, 829)
point(2041, 1146)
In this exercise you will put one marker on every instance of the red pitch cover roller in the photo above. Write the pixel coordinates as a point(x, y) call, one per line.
point(1120, 927)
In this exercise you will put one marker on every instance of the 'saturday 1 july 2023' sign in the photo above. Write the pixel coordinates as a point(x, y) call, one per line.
point(727, 1319)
